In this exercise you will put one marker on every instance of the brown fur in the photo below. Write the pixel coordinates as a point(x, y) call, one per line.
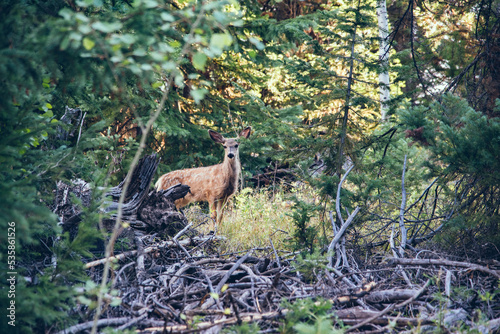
point(213, 184)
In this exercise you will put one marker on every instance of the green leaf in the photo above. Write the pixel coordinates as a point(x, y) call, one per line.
point(115, 302)
point(139, 52)
point(169, 65)
point(89, 285)
point(48, 114)
point(66, 13)
point(221, 17)
point(65, 43)
point(84, 300)
point(85, 29)
point(84, 3)
point(156, 84)
point(34, 141)
point(198, 94)
point(303, 328)
point(88, 44)
point(150, 3)
point(238, 23)
point(219, 42)
point(106, 27)
point(257, 43)
point(179, 81)
point(81, 17)
point(175, 44)
point(128, 39)
point(167, 17)
point(199, 61)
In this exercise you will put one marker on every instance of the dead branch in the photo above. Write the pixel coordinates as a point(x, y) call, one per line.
point(443, 262)
point(165, 244)
point(89, 324)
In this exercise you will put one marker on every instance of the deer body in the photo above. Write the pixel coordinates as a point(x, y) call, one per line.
point(213, 184)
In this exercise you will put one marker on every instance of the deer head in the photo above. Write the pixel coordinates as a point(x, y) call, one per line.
point(230, 144)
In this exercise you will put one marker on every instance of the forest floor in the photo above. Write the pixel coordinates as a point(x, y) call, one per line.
point(185, 285)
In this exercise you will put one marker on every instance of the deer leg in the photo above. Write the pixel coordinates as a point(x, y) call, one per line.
point(213, 210)
point(220, 208)
point(220, 203)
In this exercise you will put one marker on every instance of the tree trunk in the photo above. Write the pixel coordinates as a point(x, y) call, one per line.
point(383, 77)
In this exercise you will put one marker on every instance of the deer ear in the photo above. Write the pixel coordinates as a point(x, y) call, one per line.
point(246, 132)
point(216, 137)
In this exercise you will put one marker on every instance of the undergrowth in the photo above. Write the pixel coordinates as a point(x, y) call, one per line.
point(256, 216)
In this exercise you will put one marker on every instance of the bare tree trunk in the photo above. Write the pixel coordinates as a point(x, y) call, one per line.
point(402, 212)
point(343, 135)
point(383, 77)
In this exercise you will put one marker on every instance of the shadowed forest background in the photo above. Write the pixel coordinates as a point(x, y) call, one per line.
point(90, 86)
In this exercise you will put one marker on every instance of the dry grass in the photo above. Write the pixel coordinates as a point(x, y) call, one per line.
point(255, 216)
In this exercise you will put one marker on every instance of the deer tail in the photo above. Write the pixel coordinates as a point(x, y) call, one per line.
point(158, 184)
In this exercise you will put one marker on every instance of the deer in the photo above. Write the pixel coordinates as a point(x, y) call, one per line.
point(213, 184)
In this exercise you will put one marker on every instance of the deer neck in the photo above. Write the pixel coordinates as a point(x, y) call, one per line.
point(231, 166)
point(231, 169)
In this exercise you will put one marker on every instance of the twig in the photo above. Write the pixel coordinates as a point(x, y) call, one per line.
point(341, 232)
point(179, 272)
point(337, 202)
point(337, 246)
point(275, 253)
point(345, 225)
point(178, 235)
point(132, 322)
point(231, 271)
point(80, 131)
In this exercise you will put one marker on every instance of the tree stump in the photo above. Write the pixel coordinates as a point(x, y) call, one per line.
point(144, 209)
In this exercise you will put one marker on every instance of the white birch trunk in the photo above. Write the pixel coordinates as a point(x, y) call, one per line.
point(383, 30)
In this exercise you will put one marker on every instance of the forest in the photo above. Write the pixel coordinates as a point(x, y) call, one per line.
point(367, 195)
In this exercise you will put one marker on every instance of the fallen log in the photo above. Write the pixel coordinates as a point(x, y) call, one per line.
point(389, 308)
point(389, 296)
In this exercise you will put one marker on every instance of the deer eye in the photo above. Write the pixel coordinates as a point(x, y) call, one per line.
point(224, 146)
point(236, 145)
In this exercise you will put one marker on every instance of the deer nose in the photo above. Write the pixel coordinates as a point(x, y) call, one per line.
point(230, 155)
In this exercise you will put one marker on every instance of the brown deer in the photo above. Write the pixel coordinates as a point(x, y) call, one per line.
point(213, 184)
